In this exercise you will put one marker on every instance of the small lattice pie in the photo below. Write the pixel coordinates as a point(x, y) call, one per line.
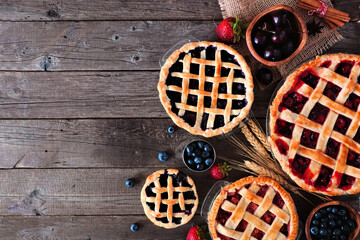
point(169, 198)
point(253, 209)
point(206, 88)
point(314, 125)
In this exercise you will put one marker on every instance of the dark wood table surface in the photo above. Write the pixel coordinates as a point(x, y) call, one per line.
point(80, 113)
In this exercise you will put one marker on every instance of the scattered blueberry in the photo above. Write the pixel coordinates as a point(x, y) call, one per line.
point(345, 228)
point(334, 210)
point(208, 161)
point(325, 220)
point(130, 183)
point(198, 160)
point(332, 223)
point(323, 232)
point(171, 130)
point(190, 162)
point(207, 148)
point(205, 154)
point(163, 156)
point(317, 215)
point(201, 144)
point(323, 225)
point(331, 216)
point(342, 212)
point(351, 224)
point(314, 231)
point(328, 209)
point(322, 211)
point(189, 148)
point(315, 222)
point(134, 227)
point(336, 232)
point(200, 167)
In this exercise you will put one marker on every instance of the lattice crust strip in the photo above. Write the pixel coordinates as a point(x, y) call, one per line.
point(201, 93)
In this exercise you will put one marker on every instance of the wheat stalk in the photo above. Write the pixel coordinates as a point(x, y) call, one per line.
point(259, 134)
point(254, 141)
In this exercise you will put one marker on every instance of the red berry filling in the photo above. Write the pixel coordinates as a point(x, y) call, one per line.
point(326, 64)
point(332, 148)
point(251, 207)
point(282, 146)
point(309, 138)
point(285, 230)
point(331, 91)
point(357, 136)
point(268, 217)
point(346, 182)
point(299, 165)
point(284, 128)
point(352, 102)
point(233, 197)
point(222, 216)
point(278, 201)
point(262, 191)
point(309, 77)
point(344, 67)
point(353, 159)
point(258, 234)
point(342, 124)
point(318, 113)
point(324, 178)
point(293, 101)
point(242, 226)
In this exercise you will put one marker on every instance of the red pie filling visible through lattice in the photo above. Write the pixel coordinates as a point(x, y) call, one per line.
point(294, 101)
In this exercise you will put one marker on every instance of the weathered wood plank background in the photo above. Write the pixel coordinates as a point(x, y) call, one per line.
point(80, 113)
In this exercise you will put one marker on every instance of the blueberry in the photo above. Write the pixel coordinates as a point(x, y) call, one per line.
point(188, 154)
point(334, 209)
point(171, 130)
point(193, 145)
point(325, 220)
point(208, 161)
point(323, 225)
point(317, 215)
point(322, 211)
point(342, 212)
point(198, 160)
point(323, 232)
point(205, 154)
point(338, 222)
point(332, 224)
point(345, 228)
point(336, 232)
point(190, 162)
point(207, 148)
point(200, 166)
point(197, 153)
point(201, 144)
point(351, 224)
point(345, 218)
point(328, 209)
point(130, 183)
point(331, 216)
point(189, 149)
point(163, 156)
point(315, 222)
point(343, 237)
point(134, 227)
point(314, 231)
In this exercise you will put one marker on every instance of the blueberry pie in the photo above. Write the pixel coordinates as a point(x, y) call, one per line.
point(206, 88)
point(169, 198)
point(253, 208)
point(314, 125)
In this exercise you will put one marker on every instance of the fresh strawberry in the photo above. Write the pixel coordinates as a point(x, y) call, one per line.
point(220, 171)
point(230, 29)
point(198, 233)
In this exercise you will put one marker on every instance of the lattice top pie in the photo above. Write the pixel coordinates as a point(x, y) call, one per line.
point(206, 88)
point(253, 209)
point(314, 125)
point(169, 198)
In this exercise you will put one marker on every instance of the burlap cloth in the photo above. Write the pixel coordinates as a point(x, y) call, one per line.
point(248, 9)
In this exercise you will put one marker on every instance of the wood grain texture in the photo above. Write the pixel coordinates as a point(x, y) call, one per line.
point(129, 94)
point(38, 10)
point(104, 45)
point(87, 228)
point(94, 143)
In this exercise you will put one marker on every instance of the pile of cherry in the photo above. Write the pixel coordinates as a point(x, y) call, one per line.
point(275, 37)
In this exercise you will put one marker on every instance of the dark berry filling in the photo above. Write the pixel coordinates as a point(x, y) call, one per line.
point(238, 73)
point(258, 234)
point(285, 229)
point(331, 91)
point(293, 101)
point(221, 103)
point(309, 77)
point(352, 102)
point(344, 67)
point(210, 52)
point(209, 71)
point(357, 136)
point(239, 104)
point(309, 138)
point(319, 113)
point(219, 121)
point(242, 226)
point(222, 88)
point(194, 84)
point(346, 182)
point(332, 148)
point(268, 217)
point(238, 88)
point(278, 201)
point(222, 216)
point(262, 191)
point(227, 57)
point(282, 146)
point(192, 100)
point(284, 128)
point(252, 207)
point(326, 64)
point(353, 159)
point(342, 124)
point(324, 178)
point(299, 165)
point(233, 197)
point(190, 118)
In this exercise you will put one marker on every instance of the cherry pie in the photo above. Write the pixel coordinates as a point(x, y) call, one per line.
point(253, 208)
point(314, 125)
point(206, 88)
point(169, 198)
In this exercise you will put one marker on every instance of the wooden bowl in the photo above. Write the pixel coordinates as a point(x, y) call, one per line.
point(354, 215)
point(300, 26)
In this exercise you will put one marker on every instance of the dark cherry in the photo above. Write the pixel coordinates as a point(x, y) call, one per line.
point(277, 54)
point(288, 48)
point(324, 178)
point(309, 138)
point(344, 67)
point(260, 38)
point(269, 52)
point(264, 75)
point(266, 25)
point(353, 159)
point(262, 191)
point(284, 128)
point(279, 18)
point(293, 101)
point(325, 64)
point(331, 91)
point(282, 146)
point(309, 77)
point(318, 113)
point(346, 182)
point(299, 165)
point(278, 201)
point(280, 36)
point(353, 102)
point(342, 124)
point(332, 148)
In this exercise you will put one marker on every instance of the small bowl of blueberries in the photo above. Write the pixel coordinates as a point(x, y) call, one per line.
point(199, 155)
point(276, 35)
point(333, 220)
